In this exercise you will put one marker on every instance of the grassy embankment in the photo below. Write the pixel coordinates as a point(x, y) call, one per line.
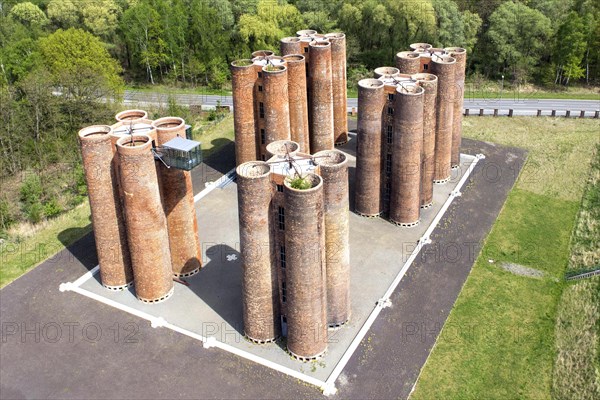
point(576, 372)
point(506, 348)
point(28, 245)
point(163, 89)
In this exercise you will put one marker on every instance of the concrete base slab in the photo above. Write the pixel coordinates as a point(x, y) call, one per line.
point(210, 308)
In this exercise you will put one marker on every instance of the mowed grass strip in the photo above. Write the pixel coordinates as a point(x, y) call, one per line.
point(585, 245)
point(560, 150)
point(216, 136)
point(33, 244)
point(499, 342)
point(576, 373)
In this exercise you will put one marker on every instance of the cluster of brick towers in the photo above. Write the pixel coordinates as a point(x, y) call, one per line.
point(294, 245)
point(293, 201)
point(298, 96)
point(289, 113)
point(143, 212)
point(409, 132)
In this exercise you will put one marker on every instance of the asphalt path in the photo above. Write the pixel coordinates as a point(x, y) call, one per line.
point(518, 102)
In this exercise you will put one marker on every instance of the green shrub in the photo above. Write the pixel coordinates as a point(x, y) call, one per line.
point(300, 183)
point(6, 217)
point(80, 184)
point(31, 189)
point(52, 208)
point(34, 212)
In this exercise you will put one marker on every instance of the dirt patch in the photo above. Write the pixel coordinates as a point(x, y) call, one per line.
point(521, 270)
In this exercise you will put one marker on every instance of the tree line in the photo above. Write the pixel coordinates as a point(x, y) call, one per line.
point(192, 41)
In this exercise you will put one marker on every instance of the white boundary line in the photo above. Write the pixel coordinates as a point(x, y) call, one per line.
point(210, 186)
point(385, 300)
point(207, 342)
point(328, 386)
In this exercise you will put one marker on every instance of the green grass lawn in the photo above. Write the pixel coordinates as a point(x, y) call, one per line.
point(34, 244)
point(505, 348)
point(164, 89)
point(214, 136)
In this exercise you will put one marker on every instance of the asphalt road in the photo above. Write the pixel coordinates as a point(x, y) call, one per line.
point(518, 102)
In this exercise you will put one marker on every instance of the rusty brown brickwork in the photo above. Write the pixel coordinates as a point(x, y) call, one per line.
point(290, 45)
point(339, 88)
point(276, 103)
point(320, 97)
point(260, 289)
point(460, 55)
point(243, 78)
point(306, 271)
point(114, 259)
point(408, 62)
point(306, 36)
point(405, 199)
point(429, 83)
point(333, 168)
point(371, 103)
point(297, 101)
point(444, 68)
point(145, 220)
point(178, 203)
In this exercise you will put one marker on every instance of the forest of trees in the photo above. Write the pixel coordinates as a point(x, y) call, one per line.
point(88, 49)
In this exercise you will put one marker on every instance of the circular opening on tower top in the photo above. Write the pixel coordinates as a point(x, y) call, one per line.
point(370, 83)
point(95, 131)
point(335, 35)
point(273, 68)
point(168, 123)
point(246, 62)
point(329, 157)
point(386, 71)
point(291, 39)
point(130, 115)
point(253, 169)
point(424, 77)
point(293, 57)
point(410, 89)
point(306, 32)
point(262, 53)
point(133, 141)
point(457, 50)
point(444, 60)
point(421, 46)
point(408, 55)
point(281, 148)
point(320, 43)
point(303, 183)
